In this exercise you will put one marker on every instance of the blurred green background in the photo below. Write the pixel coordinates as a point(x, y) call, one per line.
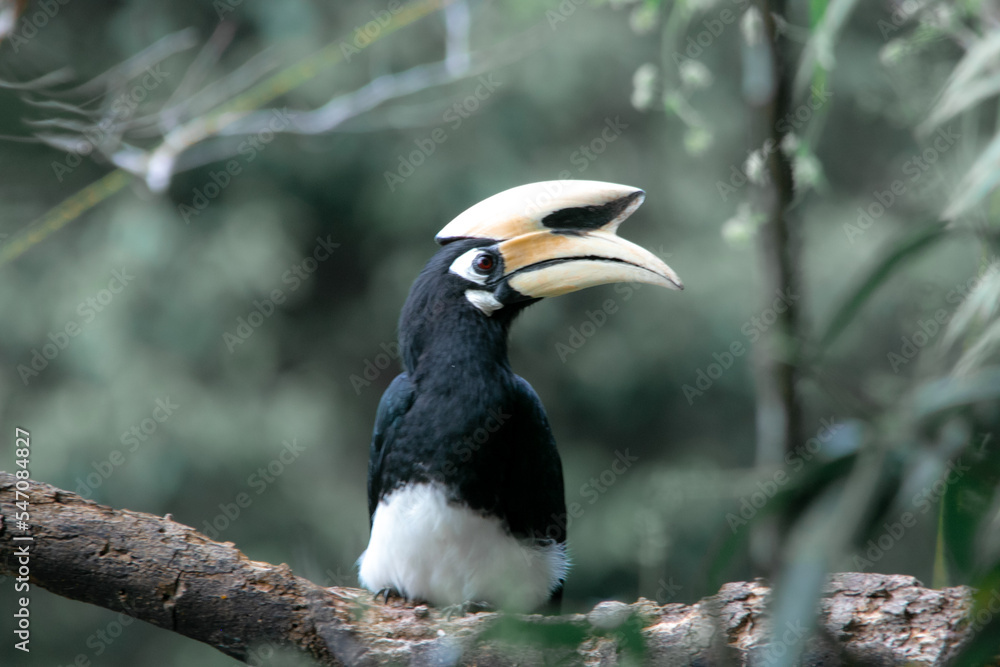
point(183, 364)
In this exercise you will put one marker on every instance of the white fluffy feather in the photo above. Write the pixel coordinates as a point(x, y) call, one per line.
point(427, 548)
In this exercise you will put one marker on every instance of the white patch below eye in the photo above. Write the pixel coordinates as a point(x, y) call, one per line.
point(483, 300)
point(463, 267)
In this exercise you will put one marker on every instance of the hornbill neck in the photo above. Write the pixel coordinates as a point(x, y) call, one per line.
point(444, 338)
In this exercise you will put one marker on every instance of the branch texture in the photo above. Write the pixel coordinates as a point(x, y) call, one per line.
point(170, 575)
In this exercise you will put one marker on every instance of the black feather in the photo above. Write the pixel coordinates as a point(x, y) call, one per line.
point(459, 416)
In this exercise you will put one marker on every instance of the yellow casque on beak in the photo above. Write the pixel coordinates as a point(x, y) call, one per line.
point(557, 237)
point(542, 264)
point(545, 206)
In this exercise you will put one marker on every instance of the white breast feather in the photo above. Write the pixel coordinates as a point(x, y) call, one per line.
point(429, 549)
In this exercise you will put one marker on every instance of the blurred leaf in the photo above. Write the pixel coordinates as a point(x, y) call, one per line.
point(967, 503)
point(980, 180)
point(952, 392)
point(723, 556)
point(808, 484)
point(817, 8)
point(954, 102)
point(817, 56)
point(980, 351)
point(740, 229)
point(759, 81)
point(988, 544)
point(819, 538)
point(695, 74)
point(643, 18)
point(797, 597)
point(980, 305)
point(904, 250)
point(519, 632)
point(940, 576)
point(963, 90)
point(984, 645)
point(697, 140)
point(644, 86)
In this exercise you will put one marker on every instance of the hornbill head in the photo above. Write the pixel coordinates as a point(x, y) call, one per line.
point(508, 251)
point(549, 238)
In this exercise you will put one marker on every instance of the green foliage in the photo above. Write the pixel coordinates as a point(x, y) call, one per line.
point(898, 239)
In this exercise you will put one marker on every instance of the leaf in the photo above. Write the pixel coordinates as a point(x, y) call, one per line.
point(978, 182)
point(967, 504)
point(907, 248)
point(984, 644)
point(962, 91)
point(797, 592)
point(820, 537)
point(830, 466)
point(818, 51)
point(817, 8)
point(939, 579)
point(954, 102)
point(980, 351)
point(938, 396)
point(980, 305)
point(518, 630)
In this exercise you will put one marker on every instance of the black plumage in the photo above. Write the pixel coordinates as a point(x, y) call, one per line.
point(465, 485)
point(459, 415)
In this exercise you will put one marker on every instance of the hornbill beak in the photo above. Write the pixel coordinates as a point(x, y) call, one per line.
point(557, 237)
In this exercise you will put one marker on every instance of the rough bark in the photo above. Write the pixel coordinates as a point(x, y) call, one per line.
point(170, 575)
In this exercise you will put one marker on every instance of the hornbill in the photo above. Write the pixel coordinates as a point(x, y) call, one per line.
point(465, 485)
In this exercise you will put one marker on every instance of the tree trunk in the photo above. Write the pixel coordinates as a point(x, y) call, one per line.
point(168, 574)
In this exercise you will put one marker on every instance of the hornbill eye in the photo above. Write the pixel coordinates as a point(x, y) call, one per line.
point(484, 263)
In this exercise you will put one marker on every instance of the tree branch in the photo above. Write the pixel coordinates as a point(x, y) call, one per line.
point(170, 575)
